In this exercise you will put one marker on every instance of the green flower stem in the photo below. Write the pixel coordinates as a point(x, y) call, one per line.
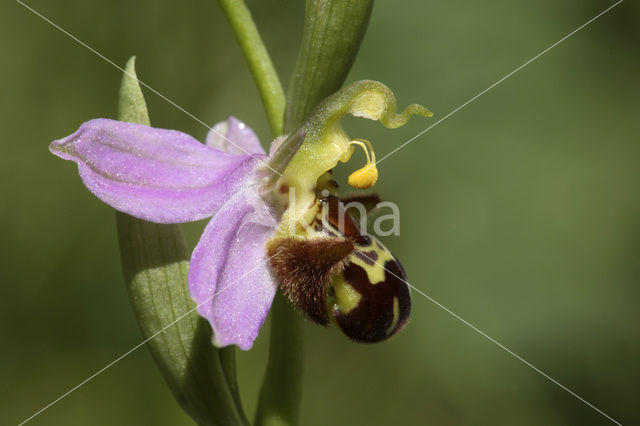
point(281, 392)
point(228, 364)
point(264, 74)
point(155, 261)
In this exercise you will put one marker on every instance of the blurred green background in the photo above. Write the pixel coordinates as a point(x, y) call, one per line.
point(520, 213)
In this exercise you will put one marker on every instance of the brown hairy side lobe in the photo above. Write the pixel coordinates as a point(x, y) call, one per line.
point(305, 267)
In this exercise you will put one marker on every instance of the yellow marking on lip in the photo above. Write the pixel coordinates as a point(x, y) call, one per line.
point(375, 272)
point(347, 297)
point(396, 315)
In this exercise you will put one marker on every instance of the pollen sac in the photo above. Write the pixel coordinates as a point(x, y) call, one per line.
point(364, 178)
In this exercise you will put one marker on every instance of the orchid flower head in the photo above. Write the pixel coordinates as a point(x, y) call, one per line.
point(276, 220)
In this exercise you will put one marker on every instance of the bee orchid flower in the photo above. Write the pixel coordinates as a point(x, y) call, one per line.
point(276, 220)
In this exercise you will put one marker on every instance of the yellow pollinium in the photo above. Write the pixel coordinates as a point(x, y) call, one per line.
point(367, 176)
point(364, 178)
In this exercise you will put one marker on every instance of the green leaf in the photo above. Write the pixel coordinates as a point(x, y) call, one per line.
point(155, 261)
point(333, 32)
point(131, 105)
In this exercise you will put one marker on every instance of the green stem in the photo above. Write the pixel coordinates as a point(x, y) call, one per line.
point(281, 393)
point(264, 74)
point(227, 357)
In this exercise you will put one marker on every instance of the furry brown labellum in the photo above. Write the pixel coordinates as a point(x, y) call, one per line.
point(305, 269)
point(342, 274)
